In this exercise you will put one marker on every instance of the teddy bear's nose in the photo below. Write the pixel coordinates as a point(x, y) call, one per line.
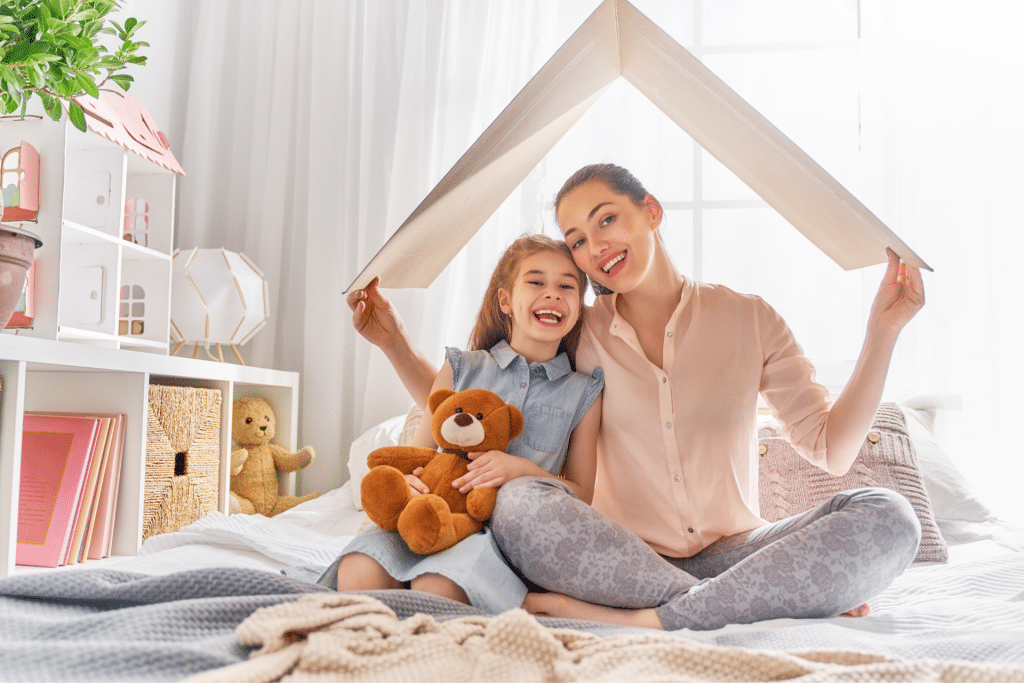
point(463, 419)
point(263, 428)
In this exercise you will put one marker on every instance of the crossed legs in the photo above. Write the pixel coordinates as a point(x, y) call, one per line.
point(826, 561)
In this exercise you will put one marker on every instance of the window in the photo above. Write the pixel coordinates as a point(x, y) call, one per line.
point(132, 310)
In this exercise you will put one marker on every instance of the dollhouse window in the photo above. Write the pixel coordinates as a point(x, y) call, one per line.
point(11, 176)
point(132, 310)
point(136, 221)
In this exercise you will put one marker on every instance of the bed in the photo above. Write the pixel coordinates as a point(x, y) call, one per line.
point(232, 598)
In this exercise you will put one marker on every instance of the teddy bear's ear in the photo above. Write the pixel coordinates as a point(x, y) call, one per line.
point(515, 422)
point(437, 398)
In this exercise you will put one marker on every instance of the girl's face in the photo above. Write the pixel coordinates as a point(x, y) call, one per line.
point(612, 239)
point(544, 302)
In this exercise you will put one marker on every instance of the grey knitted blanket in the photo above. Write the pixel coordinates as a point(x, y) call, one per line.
point(107, 625)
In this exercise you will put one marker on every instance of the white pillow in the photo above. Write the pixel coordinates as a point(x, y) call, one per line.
point(396, 431)
point(951, 495)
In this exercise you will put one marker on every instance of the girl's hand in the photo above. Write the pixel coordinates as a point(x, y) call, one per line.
point(415, 483)
point(373, 315)
point(493, 468)
point(899, 298)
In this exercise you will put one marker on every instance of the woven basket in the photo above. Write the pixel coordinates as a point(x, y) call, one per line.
point(182, 457)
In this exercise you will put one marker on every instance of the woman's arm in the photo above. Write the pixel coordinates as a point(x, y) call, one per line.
point(899, 298)
point(376, 319)
point(494, 468)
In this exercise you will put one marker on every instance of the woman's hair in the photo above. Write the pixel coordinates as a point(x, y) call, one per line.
point(492, 325)
point(618, 179)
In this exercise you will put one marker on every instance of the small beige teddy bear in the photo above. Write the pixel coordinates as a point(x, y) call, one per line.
point(256, 462)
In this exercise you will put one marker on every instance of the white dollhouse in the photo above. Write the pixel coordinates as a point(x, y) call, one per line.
point(105, 216)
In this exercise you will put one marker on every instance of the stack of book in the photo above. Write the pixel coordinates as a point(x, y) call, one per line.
point(70, 471)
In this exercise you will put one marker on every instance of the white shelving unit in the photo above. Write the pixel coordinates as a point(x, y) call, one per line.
point(101, 332)
point(37, 374)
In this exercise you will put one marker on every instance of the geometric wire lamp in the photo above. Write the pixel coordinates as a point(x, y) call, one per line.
point(217, 297)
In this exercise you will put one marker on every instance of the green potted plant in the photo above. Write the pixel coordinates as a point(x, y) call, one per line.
point(53, 50)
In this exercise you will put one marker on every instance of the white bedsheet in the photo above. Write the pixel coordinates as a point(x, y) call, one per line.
point(970, 608)
point(310, 535)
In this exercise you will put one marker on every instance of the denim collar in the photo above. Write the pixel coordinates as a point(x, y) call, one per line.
point(554, 368)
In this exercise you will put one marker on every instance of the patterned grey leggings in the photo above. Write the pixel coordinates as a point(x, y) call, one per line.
point(816, 564)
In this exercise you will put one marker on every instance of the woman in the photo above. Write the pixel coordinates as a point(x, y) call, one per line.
point(680, 543)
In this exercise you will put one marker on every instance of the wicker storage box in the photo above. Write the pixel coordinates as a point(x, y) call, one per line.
point(182, 457)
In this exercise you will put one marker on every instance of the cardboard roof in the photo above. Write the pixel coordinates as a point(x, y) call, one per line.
point(617, 40)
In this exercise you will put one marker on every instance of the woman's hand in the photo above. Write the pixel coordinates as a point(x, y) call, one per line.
point(415, 483)
point(374, 316)
point(494, 468)
point(899, 298)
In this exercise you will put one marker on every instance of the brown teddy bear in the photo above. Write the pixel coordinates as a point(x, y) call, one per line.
point(462, 422)
point(256, 461)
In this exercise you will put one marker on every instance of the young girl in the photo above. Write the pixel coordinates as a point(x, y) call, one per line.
point(523, 349)
point(674, 538)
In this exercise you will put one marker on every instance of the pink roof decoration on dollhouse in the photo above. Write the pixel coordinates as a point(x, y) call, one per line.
point(126, 122)
point(618, 41)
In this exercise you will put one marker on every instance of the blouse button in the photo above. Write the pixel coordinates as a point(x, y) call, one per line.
point(670, 334)
point(523, 385)
point(668, 425)
point(678, 478)
point(690, 529)
point(664, 379)
point(873, 438)
point(762, 449)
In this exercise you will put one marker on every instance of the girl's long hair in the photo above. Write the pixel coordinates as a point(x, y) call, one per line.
point(492, 325)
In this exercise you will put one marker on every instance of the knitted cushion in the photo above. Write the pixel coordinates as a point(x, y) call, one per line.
point(790, 485)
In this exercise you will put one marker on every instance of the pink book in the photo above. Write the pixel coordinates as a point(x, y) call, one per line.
point(102, 533)
point(88, 498)
point(55, 456)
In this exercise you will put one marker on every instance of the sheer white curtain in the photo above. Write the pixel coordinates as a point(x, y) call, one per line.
point(312, 129)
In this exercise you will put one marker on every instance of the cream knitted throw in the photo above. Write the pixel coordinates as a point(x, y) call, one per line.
point(351, 637)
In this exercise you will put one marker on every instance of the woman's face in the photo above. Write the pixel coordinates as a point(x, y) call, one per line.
point(611, 238)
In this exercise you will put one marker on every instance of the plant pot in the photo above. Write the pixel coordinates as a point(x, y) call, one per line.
point(17, 248)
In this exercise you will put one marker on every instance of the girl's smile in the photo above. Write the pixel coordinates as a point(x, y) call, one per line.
point(544, 304)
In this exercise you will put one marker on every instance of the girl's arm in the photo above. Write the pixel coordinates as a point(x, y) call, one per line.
point(376, 319)
point(494, 468)
point(900, 296)
point(580, 468)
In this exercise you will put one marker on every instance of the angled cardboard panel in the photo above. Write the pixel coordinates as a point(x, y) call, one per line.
point(512, 146)
point(749, 145)
point(618, 40)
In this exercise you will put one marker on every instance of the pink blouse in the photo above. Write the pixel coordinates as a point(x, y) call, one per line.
point(677, 450)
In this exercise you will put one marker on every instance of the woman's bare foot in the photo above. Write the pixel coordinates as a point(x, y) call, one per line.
point(564, 607)
point(858, 611)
